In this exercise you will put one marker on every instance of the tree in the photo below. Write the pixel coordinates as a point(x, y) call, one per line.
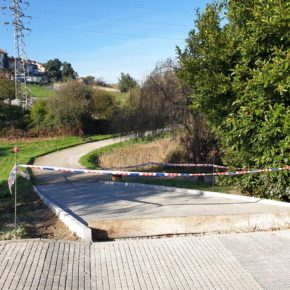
point(7, 88)
point(53, 69)
point(164, 103)
point(89, 80)
point(238, 71)
point(104, 104)
point(11, 117)
point(39, 115)
point(72, 107)
point(126, 82)
point(67, 71)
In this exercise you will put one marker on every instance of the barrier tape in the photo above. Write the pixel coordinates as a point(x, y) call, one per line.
point(156, 174)
point(165, 164)
point(12, 177)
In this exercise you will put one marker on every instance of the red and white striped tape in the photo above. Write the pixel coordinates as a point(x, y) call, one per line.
point(156, 174)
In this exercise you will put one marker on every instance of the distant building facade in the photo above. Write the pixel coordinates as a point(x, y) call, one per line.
point(35, 71)
point(2, 58)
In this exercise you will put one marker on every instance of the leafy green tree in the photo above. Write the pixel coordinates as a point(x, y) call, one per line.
point(53, 69)
point(89, 80)
point(72, 107)
point(67, 71)
point(238, 69)
point(7, 89)
point(126, 82)
point(40, 115)
point(11, 117)
point(104, 104)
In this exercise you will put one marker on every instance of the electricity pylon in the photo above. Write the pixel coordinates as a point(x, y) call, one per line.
point(22, 92)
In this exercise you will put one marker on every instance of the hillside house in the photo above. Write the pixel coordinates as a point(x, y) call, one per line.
point(35, 71)
point(2, 56)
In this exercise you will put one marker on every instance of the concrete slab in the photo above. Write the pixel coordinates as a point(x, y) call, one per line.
point(75, 226)
point(117, 211)
point(234, 261)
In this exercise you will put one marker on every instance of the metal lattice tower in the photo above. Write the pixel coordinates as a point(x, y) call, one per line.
point(22, 92)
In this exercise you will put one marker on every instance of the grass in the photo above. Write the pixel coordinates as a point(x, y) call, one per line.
point(8, 233)
point(29, 206)
point(183, 183)
point(144, 150)
point(130, 152)
point(41, 91)
point(121, 98)
point(30, 149)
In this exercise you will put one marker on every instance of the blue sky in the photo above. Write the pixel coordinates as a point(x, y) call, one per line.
point(105, 38)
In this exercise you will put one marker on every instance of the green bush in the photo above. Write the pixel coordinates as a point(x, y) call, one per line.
point(12, 117)
point(104, 104)
point(238, 70)
point(7, 88)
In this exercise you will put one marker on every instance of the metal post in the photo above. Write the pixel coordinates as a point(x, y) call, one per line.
point(213, 171)
point(15, 150)
point(15, 193)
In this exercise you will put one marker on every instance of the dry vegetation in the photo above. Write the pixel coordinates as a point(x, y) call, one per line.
point(157, 151)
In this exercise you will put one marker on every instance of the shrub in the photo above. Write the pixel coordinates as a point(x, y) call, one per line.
point(12, 117)
point(238, 71)
point(72, 107)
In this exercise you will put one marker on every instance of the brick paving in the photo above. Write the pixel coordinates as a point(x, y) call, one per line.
point(234, 261)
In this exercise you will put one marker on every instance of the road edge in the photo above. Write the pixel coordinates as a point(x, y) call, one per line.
point(201, 192)
point(75, 226)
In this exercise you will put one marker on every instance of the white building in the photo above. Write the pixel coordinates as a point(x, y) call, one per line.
point(35, 71)
point(2, 54)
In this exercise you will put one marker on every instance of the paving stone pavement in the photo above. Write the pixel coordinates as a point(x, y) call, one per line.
point(234, 261)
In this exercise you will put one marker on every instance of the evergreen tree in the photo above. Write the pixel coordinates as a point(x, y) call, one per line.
point(237, 64)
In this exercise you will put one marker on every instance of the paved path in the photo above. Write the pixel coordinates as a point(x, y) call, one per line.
point(109, 208)
point(236, 261)
point(70, 157)
point(91, 200)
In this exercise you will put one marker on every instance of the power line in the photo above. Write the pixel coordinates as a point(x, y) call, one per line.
point(108, 33)
point(153, 8)
point(112, 19)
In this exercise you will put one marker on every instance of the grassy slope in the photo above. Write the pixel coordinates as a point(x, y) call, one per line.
point(32, 149)
point(41, 91)
point(121, 98)
point(89, 161)
point(31, 213)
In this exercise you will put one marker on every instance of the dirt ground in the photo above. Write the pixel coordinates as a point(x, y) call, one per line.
point(34, 220)
point(43, 223)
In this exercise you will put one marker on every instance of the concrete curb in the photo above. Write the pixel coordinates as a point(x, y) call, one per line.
point(146, 227)
point(72, 223)
point(201, 192)
point(200, 224)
